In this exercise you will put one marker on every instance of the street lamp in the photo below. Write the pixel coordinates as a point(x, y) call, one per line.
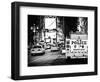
point(37, 28)
point(34, 30)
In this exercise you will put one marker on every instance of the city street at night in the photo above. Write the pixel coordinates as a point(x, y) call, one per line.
point(57, 40)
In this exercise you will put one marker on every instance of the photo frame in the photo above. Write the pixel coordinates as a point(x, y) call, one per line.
point(53, 40)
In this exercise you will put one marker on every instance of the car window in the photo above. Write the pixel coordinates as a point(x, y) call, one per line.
point(37, 47)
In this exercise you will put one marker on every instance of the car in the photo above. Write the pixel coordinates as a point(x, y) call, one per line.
point(47, 47)
point(54, 48)
point(63, 51)
point(41, 42)
point(37, 50)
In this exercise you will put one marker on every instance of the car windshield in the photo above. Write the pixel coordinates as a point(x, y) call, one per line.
point(42, 41)
point(37, 47)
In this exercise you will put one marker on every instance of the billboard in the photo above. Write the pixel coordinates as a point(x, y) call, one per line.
point(50, 23)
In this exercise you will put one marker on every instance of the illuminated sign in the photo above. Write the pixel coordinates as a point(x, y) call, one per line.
point(48, 40)
point(50, 34)
point(79, 43)
point(50, 23)
point(79, 46)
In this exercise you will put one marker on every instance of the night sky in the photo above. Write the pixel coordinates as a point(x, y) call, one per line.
point(70, 24)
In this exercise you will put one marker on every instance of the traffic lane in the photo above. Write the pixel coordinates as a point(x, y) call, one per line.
point(45, 59)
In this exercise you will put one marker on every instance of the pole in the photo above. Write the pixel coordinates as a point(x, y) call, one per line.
point(64, 32)
point(56, 29)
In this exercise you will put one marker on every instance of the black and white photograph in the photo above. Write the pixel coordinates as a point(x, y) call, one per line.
point(57, 40)
point(53, 40)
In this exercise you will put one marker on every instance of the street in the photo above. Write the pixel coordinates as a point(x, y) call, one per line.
point(53, 58)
